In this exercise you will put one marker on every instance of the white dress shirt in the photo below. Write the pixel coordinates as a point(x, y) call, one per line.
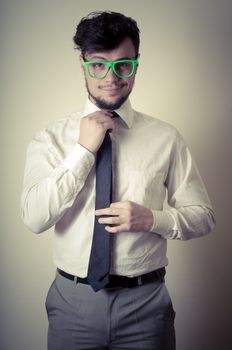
point(150, 160)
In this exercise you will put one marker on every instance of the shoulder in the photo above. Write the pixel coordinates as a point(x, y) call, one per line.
point(156, 126)
point(60, 127)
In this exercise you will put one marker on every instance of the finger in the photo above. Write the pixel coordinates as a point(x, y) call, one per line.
point(106, 124)
point(110, 220)
point(116, 229)
point(124, 205)
point(108, 211)
point(100, 115)
point(108, 114)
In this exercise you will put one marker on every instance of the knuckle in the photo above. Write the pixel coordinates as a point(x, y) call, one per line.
point(113, 220)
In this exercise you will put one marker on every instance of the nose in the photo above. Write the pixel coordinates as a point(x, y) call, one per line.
point(111, 76)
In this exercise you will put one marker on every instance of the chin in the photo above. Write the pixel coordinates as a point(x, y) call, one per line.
point(108, 103)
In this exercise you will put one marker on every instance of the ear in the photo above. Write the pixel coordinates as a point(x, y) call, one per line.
point(138, 56)
point(137, 66)
point(81, 62)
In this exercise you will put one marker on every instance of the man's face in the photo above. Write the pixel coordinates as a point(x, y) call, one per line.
point(110, 92)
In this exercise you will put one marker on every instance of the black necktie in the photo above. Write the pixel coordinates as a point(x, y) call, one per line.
point(99, 263)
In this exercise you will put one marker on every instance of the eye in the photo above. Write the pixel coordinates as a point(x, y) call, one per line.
point(122, 65)
point(98, 65)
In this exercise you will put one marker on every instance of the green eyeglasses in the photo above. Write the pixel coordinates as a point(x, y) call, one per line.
point(98, 69)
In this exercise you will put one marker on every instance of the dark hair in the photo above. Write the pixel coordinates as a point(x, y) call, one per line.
point(101, 31)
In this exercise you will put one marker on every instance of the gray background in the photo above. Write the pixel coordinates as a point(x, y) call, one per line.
point(184, 78)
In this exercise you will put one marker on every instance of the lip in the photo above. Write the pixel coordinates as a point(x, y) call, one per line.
point(111, 89)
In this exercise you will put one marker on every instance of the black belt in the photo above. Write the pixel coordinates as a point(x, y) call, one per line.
point(123, 281)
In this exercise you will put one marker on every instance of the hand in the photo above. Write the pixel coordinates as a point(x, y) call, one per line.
point(93, 128)
point(125, 217)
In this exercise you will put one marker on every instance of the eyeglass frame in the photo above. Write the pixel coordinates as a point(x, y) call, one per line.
point(111, 64)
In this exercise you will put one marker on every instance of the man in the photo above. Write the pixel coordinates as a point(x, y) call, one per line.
point(109, 291)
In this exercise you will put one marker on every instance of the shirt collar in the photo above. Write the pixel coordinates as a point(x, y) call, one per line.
point(125, 111)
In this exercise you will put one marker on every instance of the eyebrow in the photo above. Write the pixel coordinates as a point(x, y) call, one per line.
point(104, 59)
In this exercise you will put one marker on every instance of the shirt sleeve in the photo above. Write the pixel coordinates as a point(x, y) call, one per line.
point(51, 182)
point(189, 213)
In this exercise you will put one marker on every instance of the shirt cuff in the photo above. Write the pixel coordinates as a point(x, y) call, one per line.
point(163, 223)
point(79, 161)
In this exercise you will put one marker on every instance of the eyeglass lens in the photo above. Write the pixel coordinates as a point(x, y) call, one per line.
point(100, 69)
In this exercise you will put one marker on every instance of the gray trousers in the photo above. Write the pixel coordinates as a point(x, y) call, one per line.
point(114, 319)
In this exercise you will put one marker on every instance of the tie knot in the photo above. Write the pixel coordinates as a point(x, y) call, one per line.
point(115, 115)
